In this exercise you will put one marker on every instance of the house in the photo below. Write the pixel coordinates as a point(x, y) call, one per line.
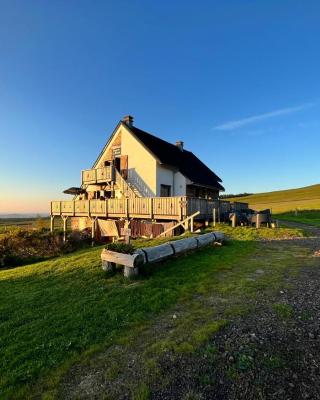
point(151, 167)
point(138, 175)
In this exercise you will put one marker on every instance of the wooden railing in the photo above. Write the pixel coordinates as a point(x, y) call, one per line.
point(122, 184)
point(98, 175)
point(172, 208)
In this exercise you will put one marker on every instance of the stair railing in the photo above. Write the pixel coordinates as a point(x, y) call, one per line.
point(123, 185)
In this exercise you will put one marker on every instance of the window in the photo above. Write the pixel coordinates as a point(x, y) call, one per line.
point(165, 190)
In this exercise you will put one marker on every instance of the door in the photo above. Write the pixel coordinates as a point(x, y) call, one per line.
point(124, 166)
point(117, 163)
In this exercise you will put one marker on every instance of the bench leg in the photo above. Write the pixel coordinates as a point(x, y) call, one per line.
point(108, 266)
point(130, 272)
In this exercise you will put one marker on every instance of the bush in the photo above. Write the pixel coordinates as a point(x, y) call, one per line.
point(120, 247)
point(22, 246)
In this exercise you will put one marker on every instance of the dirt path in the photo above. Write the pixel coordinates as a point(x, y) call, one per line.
point(313, 230)
point(272, 351)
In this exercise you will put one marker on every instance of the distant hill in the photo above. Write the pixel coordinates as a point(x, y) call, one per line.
point(305, 198)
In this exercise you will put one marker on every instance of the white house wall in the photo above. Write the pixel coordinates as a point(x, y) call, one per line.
point(180, 183)
point(167, 176)
point(142, 166)
point(164, 177)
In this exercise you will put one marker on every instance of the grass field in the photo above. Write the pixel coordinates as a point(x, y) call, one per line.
point(309, 217)
point(29, 223)
point(305, 198)
point(56, 312)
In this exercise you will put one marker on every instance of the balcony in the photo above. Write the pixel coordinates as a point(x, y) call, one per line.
point(162, 208)
point(98, 175)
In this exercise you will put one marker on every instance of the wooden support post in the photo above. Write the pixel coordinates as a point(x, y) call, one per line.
point(191, 224)
point(234, 220)
point(64, 219)
point(127, 208)
point(151, 207)
point(52, 224)
point(258, 221)
point(126, 232)
point(214, 217)
point(93, 229)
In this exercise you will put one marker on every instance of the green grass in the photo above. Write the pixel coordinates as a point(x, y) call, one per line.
point(56, 312)
point(53, 311)
point(305, 198)
point(283, 311)
point(309, 217)
point(247, 233)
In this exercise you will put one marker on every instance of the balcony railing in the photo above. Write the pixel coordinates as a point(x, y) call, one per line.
point(170, 208)
point(173, 208)
point(98, 175)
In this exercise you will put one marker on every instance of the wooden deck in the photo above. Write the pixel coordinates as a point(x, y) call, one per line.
point(161, 208)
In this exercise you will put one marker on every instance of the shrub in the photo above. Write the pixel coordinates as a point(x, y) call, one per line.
point(120, 247)
point(23, 246)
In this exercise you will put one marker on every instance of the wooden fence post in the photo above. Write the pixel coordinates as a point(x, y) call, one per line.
point(233, 220)
point(93, 229)
point(258, 221)
point(52, 224)
point(64, 228)
point(151, 207)
point(214, 217)
point(191, 225)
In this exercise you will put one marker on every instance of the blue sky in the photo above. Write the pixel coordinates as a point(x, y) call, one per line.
point(237, 81)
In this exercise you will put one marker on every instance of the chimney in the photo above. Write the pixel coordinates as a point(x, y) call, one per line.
point(128, 120)
point(179, 144)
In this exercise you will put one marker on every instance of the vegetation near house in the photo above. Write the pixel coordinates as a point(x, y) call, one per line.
point(24, 246)
point(230, 195)
point(120, 247)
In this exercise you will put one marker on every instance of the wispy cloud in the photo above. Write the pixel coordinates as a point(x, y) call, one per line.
point(231, 125)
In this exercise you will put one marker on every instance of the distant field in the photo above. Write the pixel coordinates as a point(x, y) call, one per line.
point(6, 223)
point(306, 198)
point(28, 223)
point(309, 217)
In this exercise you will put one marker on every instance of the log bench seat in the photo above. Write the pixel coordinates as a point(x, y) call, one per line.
point(132, 262)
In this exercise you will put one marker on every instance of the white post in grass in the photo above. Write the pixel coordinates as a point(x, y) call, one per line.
point(258, 221)
point(214, 217)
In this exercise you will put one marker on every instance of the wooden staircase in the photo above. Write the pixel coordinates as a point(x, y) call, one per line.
point(127, 189)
